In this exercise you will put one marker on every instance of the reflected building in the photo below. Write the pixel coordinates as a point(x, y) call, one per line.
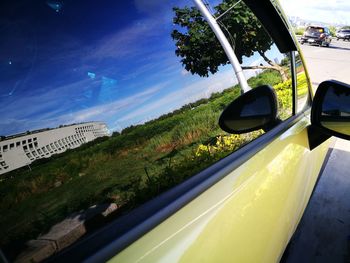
point(22, 149)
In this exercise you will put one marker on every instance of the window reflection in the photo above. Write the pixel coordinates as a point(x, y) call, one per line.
point(129, 67)
point(336, 110)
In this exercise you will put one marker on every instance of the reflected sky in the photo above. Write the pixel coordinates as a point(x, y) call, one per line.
point(336, 100)
point(64, 62)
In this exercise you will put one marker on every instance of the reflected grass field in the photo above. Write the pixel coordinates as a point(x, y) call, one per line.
point(127, 169)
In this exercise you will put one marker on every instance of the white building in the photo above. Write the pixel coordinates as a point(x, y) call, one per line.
point(22, 149)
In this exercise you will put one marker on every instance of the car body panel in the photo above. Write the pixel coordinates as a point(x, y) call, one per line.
point(250, 214)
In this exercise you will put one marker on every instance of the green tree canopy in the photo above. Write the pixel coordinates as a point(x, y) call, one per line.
point(200, 50)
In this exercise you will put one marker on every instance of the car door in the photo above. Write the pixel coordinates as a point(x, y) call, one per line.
point(246, 206)
point(252, 201)
point(183, 189)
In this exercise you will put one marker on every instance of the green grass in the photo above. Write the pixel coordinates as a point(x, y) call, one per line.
point(299, 31)
point(128, 168)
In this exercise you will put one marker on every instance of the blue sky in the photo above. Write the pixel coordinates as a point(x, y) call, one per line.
point(65, 62)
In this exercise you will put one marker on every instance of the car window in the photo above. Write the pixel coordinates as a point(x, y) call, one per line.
point(302, 84)
point(315, 30)
point(116, 103)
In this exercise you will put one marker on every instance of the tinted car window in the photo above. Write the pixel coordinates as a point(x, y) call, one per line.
point(311, 30)
point(134, 91)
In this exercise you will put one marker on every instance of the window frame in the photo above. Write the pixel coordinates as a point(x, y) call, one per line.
point(295, 84)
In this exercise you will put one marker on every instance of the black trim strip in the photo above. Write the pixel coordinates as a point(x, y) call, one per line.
point(110, 240)
point(316, 136)
point(275, 22)
point(294, 83)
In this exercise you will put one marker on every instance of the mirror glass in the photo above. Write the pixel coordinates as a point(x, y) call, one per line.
point(254, 110)
point(336, 109)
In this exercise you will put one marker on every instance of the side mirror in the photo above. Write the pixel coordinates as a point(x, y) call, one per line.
point(254, 110)
point(331, 108)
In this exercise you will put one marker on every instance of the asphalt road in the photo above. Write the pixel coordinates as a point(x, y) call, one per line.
point(323, 234)
point(328, 63)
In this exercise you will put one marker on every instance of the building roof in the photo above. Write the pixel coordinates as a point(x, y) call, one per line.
point(13, 136)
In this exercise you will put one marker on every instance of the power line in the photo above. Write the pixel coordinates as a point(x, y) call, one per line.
point(228, 10)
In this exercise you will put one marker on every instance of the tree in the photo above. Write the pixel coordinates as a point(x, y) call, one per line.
point(200, 50)
point(333, 30)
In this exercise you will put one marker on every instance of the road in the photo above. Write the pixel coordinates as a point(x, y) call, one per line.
point(323, 234)
point(328, 63)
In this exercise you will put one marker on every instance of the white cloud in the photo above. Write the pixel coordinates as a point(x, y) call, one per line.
point(330, 11)
point(184, 72)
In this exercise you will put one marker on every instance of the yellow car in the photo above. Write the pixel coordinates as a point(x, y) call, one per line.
point(199, 163)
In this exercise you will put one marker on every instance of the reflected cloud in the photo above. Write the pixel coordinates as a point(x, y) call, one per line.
point(202, 88)
point(190, 93)
point(91, 75)
point(126, 42)
point(149, 6)
point(21, 120)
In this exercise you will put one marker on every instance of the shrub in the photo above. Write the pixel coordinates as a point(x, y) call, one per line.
point(299, 31)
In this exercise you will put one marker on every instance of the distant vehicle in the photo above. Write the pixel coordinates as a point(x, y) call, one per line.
point(343, 34)
point(318, 35)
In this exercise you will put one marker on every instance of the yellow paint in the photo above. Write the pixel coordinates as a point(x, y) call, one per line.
point(249, 216)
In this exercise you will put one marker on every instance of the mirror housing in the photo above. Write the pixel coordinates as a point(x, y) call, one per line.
point(253, 110)
point(331, 108)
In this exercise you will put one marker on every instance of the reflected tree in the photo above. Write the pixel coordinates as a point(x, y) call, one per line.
point(201, 52)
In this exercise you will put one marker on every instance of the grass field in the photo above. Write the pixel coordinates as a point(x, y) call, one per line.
point(128, 168)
